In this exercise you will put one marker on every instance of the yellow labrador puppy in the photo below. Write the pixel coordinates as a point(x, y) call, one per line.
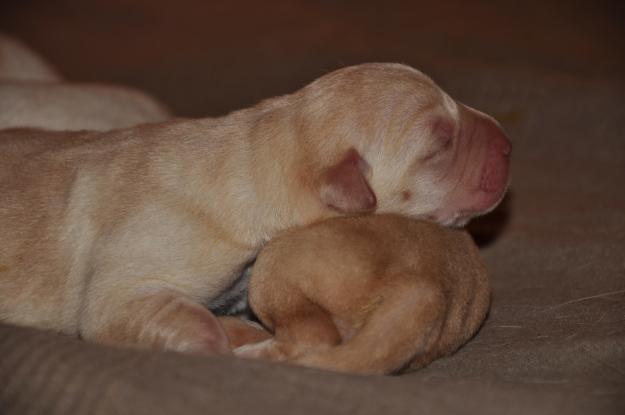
point(370, 294)
point(126, 237)
point(32, 94)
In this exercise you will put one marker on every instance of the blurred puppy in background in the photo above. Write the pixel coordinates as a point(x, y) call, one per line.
point(33, 94)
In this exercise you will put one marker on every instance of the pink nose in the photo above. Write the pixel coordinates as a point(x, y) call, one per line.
point(505, 146)
point(498, 140)
point(495, 174)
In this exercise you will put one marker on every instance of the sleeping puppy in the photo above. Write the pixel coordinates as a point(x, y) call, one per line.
point(32, 94)
point(126, 237)
point(370, 294)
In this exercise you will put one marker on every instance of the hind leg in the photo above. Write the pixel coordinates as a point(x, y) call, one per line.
point(241, 332)
point(308, 329)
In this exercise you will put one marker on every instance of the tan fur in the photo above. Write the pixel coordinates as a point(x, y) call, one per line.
point(32, 94)
point(368, 294)
point(93, 223)
point(241, 331)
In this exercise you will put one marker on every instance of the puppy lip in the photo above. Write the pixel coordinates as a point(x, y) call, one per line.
point(483, 203)
point(454, 219)
point(494, 201)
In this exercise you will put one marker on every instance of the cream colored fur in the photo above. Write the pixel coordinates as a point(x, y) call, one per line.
point(32, 94)
point(123, 237)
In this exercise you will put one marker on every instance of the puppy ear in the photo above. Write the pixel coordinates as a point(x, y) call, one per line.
point(344, 186)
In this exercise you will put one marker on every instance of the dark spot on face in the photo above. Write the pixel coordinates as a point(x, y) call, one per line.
point(406, 195)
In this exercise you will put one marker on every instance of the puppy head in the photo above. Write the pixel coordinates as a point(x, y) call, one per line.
point(396, 142)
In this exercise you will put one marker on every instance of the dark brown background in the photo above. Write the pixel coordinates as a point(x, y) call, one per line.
point(208, 57)
point(552, 72)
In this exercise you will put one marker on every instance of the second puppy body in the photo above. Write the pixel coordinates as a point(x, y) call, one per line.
point(371, 294)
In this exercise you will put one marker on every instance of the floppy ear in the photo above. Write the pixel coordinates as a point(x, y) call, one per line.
point(344, 186)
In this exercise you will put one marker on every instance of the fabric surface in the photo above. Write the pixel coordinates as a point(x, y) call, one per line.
point(554, 342)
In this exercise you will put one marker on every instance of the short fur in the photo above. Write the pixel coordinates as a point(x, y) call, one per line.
point(123, 237)
point(370, 295)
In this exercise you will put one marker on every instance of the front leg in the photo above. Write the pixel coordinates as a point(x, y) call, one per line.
point(164, 319)
point(149, 275)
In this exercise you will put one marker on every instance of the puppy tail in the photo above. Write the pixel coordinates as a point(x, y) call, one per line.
point(407, 324)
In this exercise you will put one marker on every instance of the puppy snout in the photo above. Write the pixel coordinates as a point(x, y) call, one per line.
point(504, 145)
point(498, 140)
point(499, 148)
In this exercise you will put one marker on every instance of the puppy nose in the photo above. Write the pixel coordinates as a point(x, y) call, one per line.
point(499, 140)
point(505, 146)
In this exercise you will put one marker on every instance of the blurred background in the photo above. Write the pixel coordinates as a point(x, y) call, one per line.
point(209, 57)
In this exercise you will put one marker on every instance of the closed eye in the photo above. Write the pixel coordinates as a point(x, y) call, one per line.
point(441, 147)
point(443, 139)
point(447, 143)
